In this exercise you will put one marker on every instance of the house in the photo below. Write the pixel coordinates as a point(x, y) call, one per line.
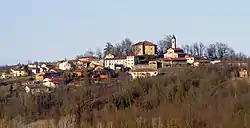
point(43, 75)
point(173, 61)
point(65, 66)
point(143, 72)
point(114, 63)
point(198, 62)
point(154, 63)
point(6, 75)
point(86, 59)
point(117, 62)
point(34, 70)
point(40, 76)
point(32, 65)
point(215, 61)
point(174, 52)
point(18, 72)
point(53, 82)
point(144, 48)
point(109, 56)
point(192, 59)
point(48, 83)
point(99, 68)
point(132, 61)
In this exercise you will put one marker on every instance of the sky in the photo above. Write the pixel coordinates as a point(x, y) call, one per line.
point(44, 30)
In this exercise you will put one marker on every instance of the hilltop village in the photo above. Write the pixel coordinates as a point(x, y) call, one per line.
point(142, 62)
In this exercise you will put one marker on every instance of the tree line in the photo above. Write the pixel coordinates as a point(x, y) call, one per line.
point(216, 50)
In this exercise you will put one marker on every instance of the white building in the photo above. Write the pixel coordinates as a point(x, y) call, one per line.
point(48, 83)
point(192, 59)
point(109, 56)
point(132, 61)
point(65, 66)
point(128, 61)
point(113, 62)
point(144, 72)
point(32, 65)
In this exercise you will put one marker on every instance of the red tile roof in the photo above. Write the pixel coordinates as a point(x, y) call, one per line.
point(146, 43)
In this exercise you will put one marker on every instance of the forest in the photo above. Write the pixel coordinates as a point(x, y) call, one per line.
point(202, 97)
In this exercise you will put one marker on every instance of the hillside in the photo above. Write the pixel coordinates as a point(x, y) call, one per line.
point(202, 97)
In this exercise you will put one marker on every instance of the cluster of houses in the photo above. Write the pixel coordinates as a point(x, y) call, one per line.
point(142, 62)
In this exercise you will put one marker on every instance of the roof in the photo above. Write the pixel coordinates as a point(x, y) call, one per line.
point(109, 54)
point(145, 70)
point(18, 69)
point(73, 61)
point(195, 57)
point(120, 58)
point(203, 61)
point(174, 59)
point(146, 43)
point(181, 53)
point(176, 49)
point(87, 57)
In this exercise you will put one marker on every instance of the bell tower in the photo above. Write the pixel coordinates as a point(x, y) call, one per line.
point(173, 41)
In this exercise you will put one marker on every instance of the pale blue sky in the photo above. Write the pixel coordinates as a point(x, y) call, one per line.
point(55, 29)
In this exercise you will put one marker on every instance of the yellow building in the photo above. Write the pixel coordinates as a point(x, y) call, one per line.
point(18, 72)
point(40, 76)
point(144, 48)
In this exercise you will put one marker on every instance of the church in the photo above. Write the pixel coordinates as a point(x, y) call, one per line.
point(174, 52)
point(175, 55)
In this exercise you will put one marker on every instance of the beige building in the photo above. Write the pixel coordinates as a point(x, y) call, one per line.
point(144, 48)
point(174, 53)
point(18, 72)
point(143, 72)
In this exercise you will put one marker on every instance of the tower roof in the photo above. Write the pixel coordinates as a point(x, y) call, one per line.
point(173, 37)
point(146, 43)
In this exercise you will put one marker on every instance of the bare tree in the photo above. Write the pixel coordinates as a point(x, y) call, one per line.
point(164, 44)
point(222, 50)
point(126, 46)
point(192, 49)
point(79, 56)
point(241, 56)
point(211, 50)
point(123, 48)
point(199, 49)
point(89, 53)
point(98, 53)
point(196, 48)
point(186, 49)
point(118, 51)
point(202, 49)
point(231, 54)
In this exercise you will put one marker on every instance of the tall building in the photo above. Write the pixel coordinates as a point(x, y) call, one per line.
point(144, 48)
point(174, 52)
point(173, 41)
